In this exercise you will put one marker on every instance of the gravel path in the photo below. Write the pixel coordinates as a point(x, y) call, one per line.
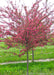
point(14, 62)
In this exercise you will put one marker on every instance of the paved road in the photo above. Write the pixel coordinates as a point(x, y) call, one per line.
point(14, 62)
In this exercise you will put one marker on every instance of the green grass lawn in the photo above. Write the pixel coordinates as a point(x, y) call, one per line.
point(37, 68)
point(39, 53)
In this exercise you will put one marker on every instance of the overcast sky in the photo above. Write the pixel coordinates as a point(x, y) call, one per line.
point(26, 2)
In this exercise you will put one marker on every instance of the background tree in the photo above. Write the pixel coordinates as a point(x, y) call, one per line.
point(51, 39)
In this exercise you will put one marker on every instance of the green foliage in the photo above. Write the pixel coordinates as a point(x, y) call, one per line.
point(1, 38)
point(51, 41)
point(3, 45)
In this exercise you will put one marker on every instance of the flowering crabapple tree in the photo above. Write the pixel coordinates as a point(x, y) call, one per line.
point(30, 30)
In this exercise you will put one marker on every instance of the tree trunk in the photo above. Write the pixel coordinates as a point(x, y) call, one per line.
point(32, 55)
point(27, 63)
